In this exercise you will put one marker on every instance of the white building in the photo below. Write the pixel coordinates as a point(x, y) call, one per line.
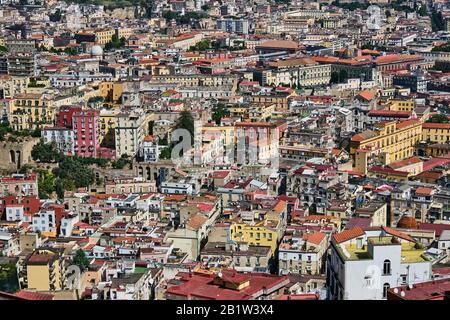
point(444, 241)
point(149, 150)
point(67, 224)
point(14, 212)
point(131, 129)
point(62, 137)
point(362, 265)
point(44, 221)
point(177, 188)
point(301, 252)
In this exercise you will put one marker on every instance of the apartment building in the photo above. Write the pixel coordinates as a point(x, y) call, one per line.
point(240, 257)
point(62, 137)
point(130, 131)
point(239, 26)
point(257, 141)
point(107, 122)
point(31, 111)
point(256, 235)
point(436, 132)
point(389, 142)
point(19, 184)
point(302, 252)
point(86, 133)
point(297, 72)
point(364, 264)
point(45, 270)
point(197, 80)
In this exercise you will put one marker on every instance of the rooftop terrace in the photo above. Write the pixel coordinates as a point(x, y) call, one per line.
point(410, 251)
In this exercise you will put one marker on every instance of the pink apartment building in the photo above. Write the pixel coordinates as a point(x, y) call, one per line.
point(86, 133)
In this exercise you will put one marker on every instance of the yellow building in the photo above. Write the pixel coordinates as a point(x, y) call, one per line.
point(239, 111)
point(197, 80)
point(392, 141)
point(437, 149)
point(124, 32)
point(107, 125)
point(227, 132)
point(30, 111)
point(257, 235)
point(280, 100)
point(111, 92)
point(10, 86)
point(44, 270)
point(413, 165)
point(296, 72)
point(262, 112)
point(104, 36)
point(436, 132)
point(401, 105)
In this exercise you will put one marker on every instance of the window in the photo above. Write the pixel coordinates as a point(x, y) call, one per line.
point(385, 289)
point(387, 267)
point(403, 278)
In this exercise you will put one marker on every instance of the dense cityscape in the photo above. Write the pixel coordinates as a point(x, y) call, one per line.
point(224, 150)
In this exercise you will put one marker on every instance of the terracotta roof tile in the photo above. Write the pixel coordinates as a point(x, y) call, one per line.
point(348, 235)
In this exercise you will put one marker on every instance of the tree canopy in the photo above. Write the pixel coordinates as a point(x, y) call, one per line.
point(438, 118)
point(80, 260)
point(186, 121)
point(219, 111)
point(123, 161)
point(115, 43)
point(45, 152)
point(72, 169)
point(201, 46)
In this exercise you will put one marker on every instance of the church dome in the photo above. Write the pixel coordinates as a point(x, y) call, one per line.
point(96, 51)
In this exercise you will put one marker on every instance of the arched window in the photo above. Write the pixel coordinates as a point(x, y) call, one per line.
point(386, 286)
point(386, 267)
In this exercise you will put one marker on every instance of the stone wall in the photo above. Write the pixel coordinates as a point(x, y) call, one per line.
point(13, 155)
point(124, 13)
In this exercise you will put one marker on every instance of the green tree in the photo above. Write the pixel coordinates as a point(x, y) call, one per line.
point(45, 152)
point(437, 21)
point(151, 125)
point(46, 184)
point(201, 46)
point(81, 260)
point(343, 75)
point(4, 129)
point(56, 16)
point(219, 111)
point(63, 185)
point(334, 77)
point(423, 10)
point(438, 118)
point(166, 153)
point(122, 162)
point(72, 169)
point(442, 48)
point(186, 121)
point(115, 43)
point(9, 281)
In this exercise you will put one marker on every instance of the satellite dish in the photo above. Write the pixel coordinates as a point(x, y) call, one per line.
point(219, 274)
point(402, 293)
point(395, 290)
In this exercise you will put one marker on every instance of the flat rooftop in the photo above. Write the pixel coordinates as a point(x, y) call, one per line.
point(409, 251)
